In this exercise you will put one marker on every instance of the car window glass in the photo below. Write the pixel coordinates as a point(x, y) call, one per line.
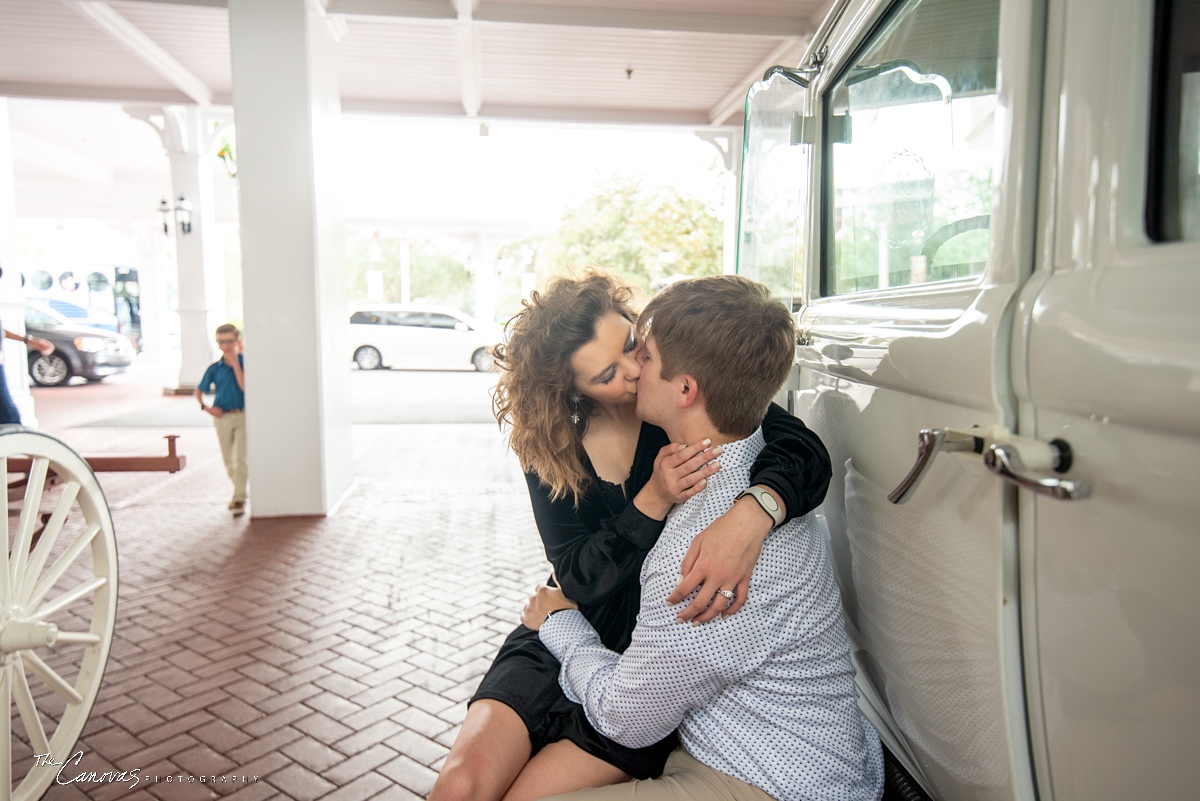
point(911, 146)
point(367, 318)
point(39, 319)
point(774, 203)
point(406, 318)
point(442, 321)
point(1173, 196)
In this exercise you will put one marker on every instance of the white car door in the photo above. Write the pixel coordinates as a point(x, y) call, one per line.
point(453, 340)
point(408, 338)
point(1107, 357)
point(919, 237)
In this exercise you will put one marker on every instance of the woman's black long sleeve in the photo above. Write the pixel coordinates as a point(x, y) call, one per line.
point(592, 552)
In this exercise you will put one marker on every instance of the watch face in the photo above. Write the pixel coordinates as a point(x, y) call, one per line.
point(769, 502)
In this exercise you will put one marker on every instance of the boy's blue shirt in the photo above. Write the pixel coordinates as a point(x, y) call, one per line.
point(220, 377)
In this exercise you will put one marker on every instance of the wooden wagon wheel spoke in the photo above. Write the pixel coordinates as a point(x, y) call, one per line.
point(58, 584)
point(77, 638)
point(6, 590)
point(6, 726)
point(29, 519)
point(51, 679)
point(60, 565)
point(68, 598)
point(49, 534)
point(27, 708)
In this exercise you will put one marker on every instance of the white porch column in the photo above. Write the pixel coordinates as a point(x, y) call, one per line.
point(198, 256)
point(483, 265)
point(12, 300)
point(154, 252)
point(733, 194)
point(287, 108)
point(729, 144)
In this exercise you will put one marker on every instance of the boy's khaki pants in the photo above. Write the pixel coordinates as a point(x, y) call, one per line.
point(231, 433)
point(683, 779)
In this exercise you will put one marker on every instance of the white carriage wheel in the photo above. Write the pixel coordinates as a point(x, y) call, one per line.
point(58, 586)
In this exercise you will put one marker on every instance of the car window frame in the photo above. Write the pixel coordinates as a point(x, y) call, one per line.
point(823, 100)
point(1163, 215)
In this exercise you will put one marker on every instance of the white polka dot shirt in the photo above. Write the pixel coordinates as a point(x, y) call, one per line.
point(766, 696)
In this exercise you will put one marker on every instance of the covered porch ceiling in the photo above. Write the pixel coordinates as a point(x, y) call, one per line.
point(658, 62)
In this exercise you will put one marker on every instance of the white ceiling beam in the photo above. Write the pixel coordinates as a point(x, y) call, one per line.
point(416, 9)
point(470, 58)
point(203, 3)
point(615, 116)
point(133, 39)
point(118, 94)
point(533, 114)
point(789, 54)
point(572, 16)
point(690, 22)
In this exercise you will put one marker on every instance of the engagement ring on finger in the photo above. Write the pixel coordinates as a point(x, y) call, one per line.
point(727, 593)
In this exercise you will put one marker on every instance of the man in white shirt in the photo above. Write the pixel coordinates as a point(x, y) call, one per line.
point(764, 700)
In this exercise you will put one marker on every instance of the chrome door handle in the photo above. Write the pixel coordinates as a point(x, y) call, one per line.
point(1004, 459)
point(1023, 461)
point(930, 442)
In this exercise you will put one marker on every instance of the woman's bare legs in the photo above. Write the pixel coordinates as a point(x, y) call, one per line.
point(490, 750)
point(562, 767)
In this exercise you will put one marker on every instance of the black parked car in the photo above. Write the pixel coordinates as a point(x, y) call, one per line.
point(93, 353)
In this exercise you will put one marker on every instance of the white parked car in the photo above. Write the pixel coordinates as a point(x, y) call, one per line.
point(990, 211)
point(404, 335)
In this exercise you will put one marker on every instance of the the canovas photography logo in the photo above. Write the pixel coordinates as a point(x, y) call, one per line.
point(72, 771)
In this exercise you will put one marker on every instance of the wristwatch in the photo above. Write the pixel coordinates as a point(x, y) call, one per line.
point(766, 501)
point(551, 612)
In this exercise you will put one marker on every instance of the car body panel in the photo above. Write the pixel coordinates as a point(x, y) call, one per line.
point(1111, 347)
point(1011, 645)
point(930, 587)
point(114, 356)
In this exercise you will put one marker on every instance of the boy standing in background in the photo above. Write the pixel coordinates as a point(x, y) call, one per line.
point(225, 379)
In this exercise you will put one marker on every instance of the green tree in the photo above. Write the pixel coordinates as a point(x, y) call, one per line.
point(648, 232)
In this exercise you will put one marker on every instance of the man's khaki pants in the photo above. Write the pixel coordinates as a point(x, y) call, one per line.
point(231, 433)
point(683, 779)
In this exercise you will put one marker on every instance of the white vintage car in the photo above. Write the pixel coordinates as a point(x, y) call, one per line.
point(989, 211)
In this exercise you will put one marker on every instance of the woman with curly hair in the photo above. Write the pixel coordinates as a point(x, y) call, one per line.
point(601, 483)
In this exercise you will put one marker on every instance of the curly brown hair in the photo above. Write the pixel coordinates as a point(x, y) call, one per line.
point(533, 396)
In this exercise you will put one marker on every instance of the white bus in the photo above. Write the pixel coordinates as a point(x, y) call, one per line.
point(104, 295)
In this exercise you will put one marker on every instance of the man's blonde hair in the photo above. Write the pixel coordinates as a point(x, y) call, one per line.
point(729, 334)
point(228, 328)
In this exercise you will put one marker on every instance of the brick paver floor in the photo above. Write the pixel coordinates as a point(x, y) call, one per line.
point(331, 657)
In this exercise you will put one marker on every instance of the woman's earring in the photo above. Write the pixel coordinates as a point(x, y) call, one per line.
point(575, 399)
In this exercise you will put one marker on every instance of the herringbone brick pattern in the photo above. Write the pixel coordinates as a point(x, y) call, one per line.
point(331, 657)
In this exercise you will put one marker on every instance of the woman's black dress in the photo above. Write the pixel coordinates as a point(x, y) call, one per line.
point(597, 552)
